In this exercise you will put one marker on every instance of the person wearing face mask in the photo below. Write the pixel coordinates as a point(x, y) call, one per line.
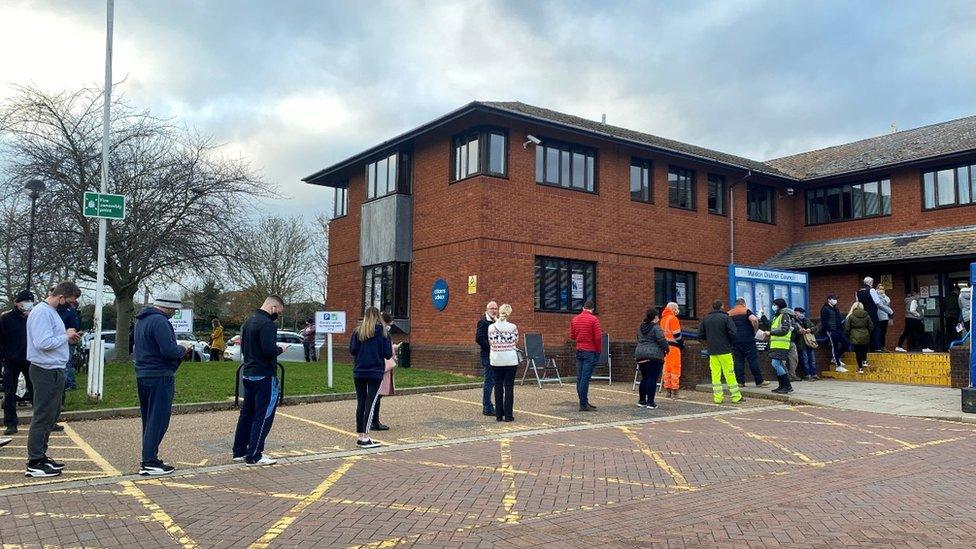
point(780, 333)
point(806, 353)
point(13, 350)
point(259, 347)
point(48, 344)
point(157, 357)
point(832, 323)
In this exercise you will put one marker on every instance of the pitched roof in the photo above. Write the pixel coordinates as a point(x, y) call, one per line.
point(935, 140)
point(886, 248)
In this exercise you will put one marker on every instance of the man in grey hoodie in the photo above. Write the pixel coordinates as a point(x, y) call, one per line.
point(719, 332)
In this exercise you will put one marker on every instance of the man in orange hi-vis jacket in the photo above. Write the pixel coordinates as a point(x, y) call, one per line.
point(672, 362)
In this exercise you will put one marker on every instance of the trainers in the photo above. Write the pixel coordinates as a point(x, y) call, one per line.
point(841, 369)
point(487, 412)
point(927, 350)
point(53, 464)
point(4, 441)
point(368, 443)
point(238, 458)
point(842, 364)
point(763, 384)
point(379, 427)
point(651, 406)
point(264, 461)
point(642, 404)
point(10, 430)
point(900, 350)
point(860, 370)
point(155, 469)
point(38, 469)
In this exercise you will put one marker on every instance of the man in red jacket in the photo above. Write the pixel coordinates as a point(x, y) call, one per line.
point(585, 331)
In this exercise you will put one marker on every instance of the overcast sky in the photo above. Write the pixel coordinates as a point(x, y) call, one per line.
point(295, 86)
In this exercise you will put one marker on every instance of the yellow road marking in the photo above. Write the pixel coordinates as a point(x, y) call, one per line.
point(768, 440)
point(478, 404)
point(90, 452)
point(83, 516)
point(508, 477)
point(859, 429)
point(158, 514)
point(387, 543)
point(322, 425)
point(284, 522)
point(21, 458)
point(49, 447)
point(211, 487)
point(200, 463)
point(679, 479)
point(99, 474)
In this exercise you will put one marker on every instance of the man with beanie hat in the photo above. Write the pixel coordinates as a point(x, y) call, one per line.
point(13, 350)
point(157, 356)
point(780, 333)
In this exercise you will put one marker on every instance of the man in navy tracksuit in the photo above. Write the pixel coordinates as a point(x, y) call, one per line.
point(259, 346)
point(157, 356)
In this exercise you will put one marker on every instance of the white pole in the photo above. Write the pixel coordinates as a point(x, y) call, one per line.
point(96, 369)
point(330, 360)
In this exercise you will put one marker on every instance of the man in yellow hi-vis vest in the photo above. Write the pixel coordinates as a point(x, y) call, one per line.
point(780, 333)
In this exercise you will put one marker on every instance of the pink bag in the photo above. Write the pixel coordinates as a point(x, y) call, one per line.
point(387, 386)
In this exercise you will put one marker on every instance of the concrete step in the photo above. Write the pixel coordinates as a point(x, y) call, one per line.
point(903, 368)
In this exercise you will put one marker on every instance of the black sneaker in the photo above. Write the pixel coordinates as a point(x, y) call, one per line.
point(53, 464)
point(155, 469)
point(368, 443)
point(57, 428)
point(652, 406)
point(379, 427)
point(39, 469)
point(641, 404)
point(489, 412)
point(10, 430)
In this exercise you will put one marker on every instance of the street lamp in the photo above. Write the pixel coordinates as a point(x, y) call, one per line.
point(34, 188)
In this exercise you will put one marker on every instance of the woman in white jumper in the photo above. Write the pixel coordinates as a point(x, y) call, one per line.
point(502, 341)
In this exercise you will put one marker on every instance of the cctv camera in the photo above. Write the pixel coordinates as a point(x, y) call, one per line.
point(789, 191)
point(531, 139)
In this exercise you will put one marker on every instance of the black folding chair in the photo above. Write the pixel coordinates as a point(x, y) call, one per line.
point(536, 360)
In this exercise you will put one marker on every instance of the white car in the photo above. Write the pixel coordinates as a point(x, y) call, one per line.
point(108, 344)
point(200, 350)
point(291, 341)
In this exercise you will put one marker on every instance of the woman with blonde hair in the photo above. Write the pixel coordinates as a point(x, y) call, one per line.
point(502, 341)
point(370, 347)
point(858, 327)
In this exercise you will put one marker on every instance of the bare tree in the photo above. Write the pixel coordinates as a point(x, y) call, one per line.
point(182, 197)
point(320, 259)
point(277, 258)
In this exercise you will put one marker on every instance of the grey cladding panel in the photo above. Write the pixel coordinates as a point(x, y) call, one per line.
point(386, 231)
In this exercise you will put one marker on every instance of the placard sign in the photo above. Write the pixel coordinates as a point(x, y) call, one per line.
point(330, 322)
point(577, 285)
point(439, 294)
point(182, 321)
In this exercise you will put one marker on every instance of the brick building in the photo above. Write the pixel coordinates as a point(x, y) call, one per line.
point(548, 209)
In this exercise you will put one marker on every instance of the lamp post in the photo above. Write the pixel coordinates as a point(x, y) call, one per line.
point(34, 187)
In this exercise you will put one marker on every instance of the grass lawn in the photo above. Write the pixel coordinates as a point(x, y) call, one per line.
point(214, 381)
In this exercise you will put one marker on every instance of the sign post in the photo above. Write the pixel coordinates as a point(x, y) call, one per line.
point(330, 322)
point(104, 205)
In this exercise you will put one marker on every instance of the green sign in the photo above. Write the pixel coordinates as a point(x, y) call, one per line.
point(108, 206)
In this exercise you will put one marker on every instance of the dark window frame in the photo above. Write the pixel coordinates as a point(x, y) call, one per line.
point(646, 166)
point(812, 194)
point(771, 192)
point(590, 165)
point(565, 268)
point(344, 191)
point(665, 290)
point(483, 134)
point(954, 168)
point(722, 192)
point(692, 177)
point(399, 286)
point(403, 177)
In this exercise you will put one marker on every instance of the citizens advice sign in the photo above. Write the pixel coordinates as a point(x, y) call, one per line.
point(104, 205)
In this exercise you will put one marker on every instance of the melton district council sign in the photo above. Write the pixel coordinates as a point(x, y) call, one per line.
point(104, 205)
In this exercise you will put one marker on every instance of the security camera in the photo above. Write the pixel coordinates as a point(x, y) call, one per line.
point(789, 191)
point(531, 139)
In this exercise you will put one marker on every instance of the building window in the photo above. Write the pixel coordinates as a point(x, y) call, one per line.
point(388, 175)
point(681, 188)
point(480, 151)
point(846, 202)
point(563, 285)
point(567, 166)
point(759, 203)
point(954, 186)
point(640, 180)
point(340, 205)
point(675, 287)
point(716, 194)
point(387, 287)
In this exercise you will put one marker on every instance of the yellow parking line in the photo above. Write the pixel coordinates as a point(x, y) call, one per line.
point(479, 404)
point(908, 445)
point(292, 515)
point(211, 487)
point(95, 456)
point(83, 516)
point(768, 440)
point(21, 458)
point(159, 515)
point(508, 477)
point(322, 425)
point(679, 479)
point(64, 472)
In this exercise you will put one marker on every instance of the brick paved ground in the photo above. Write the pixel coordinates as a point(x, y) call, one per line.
point(762, 477)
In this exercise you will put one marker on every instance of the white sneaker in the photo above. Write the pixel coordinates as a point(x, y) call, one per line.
point(264, 461)
point(900, 350)
point(927, 350)
point(865, 365)
point(842, 364)
point(4, 441)
point(841, 369)
point(239, 459)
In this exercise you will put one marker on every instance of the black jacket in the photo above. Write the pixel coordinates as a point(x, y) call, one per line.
point(481, 335)
point(864, 296)
point(13, 336)
point(259, 345)
point(719, 331)
point(831, 319)
point(370, 355)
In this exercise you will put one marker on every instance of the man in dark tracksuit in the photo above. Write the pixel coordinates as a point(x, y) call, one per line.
point(157, 356)
point(259, 346)
point(13, 350)
point(832, 324)
point(481, 337)
point(744, 344)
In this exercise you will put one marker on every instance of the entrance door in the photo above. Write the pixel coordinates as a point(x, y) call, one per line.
point(930, 292)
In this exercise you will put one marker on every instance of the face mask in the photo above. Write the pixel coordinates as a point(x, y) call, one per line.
point(775, 308)
point(833, 302)
point(26, 306)
point(274, 316)
point(800, 315)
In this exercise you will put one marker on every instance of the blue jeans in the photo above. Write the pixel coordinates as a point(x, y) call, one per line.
point(808, 361)
point(70, 383)
point(489, 374)
point(745, 352)
point(585, 364)
point(779, 365)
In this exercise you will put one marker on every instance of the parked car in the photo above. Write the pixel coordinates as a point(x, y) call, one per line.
point(199, 351)
point(291, 341)
point(108, 344)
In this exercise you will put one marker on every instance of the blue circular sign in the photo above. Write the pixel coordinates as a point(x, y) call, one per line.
point(439, 294)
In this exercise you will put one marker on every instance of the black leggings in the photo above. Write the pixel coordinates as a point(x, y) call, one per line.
point(912, 333)
point(650, 370)
point(861, 352)
point(367, 393)
point(504, 391)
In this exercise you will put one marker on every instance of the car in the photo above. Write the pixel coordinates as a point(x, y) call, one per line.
point(108, 344)
point(291, 341)
point(200, 351)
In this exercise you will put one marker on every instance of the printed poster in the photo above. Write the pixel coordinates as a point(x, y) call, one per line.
point(680, 293)
point(923, 291)
point(577, 285)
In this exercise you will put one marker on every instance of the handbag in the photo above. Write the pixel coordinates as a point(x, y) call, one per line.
point(810, 340)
